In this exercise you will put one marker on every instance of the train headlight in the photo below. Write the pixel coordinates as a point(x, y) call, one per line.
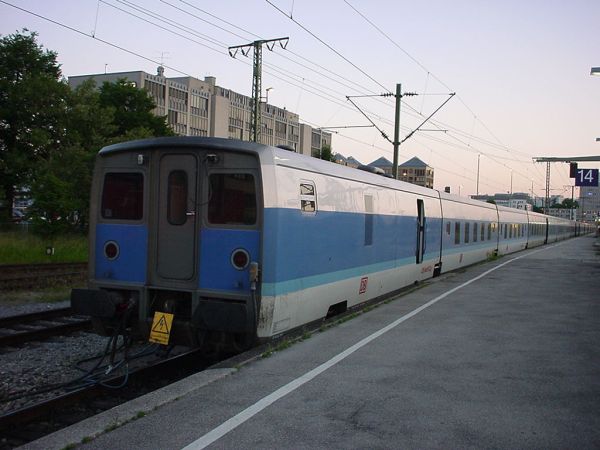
point(111, 250)
point(240, 259)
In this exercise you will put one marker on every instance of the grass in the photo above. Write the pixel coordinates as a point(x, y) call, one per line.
point(26, 248)
point(493, 257)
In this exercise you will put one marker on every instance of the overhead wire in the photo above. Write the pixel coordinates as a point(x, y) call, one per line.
point(429, 73)
point(92, 36)
point(502, 146)
point(212, 40)
point(329, 46)
point(159, 26)
point(282, 55)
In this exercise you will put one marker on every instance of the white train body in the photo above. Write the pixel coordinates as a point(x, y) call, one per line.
point(242, 239)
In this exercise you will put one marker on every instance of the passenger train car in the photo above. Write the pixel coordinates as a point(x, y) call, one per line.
point(242, 241)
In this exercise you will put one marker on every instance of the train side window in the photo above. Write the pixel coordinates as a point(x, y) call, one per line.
point(510, 231)
point(505, 230)
point(307, 188)
point(457, 233)
point(177, 197)
point(489, 231)
point(123, 196)
point(448, 228)
point(467, 229)
point(232, 199)
point(483, 231)
point(475, 234)
point(308, 198)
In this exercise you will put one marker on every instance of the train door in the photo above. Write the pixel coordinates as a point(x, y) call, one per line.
point(420, 231)
point(176, 221)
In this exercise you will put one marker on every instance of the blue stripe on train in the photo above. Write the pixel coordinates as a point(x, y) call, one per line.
point(303, 250)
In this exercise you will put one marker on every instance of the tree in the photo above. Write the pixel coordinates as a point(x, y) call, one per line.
point(326, 153)
point(32, 110)
point(567, 203)
point(62, 186)
point(132, 110)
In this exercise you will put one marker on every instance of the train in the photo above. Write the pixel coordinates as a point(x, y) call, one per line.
point(241, 242)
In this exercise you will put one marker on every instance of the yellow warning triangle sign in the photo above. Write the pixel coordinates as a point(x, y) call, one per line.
point(161, 326)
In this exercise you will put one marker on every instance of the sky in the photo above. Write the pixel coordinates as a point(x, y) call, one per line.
point(520, 70)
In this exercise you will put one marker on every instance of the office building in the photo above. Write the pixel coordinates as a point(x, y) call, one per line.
point(195, 107)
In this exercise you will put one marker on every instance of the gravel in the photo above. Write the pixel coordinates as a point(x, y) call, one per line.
point(38, 364)
point(14, 309)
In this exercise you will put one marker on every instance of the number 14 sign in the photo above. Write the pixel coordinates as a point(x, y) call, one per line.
point(586, 177)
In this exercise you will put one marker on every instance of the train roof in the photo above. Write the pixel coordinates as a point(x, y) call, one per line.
point(269, 156)
point(181, 141)
point(278, 156)
point(466, 200)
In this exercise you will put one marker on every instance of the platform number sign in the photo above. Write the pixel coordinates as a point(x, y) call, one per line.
point(586, 177)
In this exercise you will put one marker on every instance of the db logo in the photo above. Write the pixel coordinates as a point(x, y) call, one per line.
point(363, 285)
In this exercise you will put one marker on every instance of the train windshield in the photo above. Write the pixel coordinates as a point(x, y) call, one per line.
point(232, 199)
point(123, 196)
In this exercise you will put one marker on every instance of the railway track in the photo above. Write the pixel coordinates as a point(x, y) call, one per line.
point(17, 330)
point(33, 421)
point(32, 276)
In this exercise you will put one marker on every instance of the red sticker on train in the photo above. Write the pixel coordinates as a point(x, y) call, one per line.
point(363, 285)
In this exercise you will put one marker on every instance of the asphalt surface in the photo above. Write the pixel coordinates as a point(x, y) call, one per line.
point(511, 360)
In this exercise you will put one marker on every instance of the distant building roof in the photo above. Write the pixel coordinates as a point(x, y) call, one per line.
point(352, 160)
point(413, 162)
point(381, 162)
point(340, 157)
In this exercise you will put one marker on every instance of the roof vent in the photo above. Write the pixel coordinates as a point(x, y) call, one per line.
point(285, 147)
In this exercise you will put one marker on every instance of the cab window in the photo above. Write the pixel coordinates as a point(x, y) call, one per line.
point(123, 196)
point(232, 199)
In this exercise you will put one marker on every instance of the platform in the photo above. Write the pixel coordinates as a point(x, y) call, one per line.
point(505, 354)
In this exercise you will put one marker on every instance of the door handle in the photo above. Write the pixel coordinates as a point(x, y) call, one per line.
point(190, 213)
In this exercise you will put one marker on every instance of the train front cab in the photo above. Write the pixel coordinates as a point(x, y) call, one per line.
point(175, 228)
